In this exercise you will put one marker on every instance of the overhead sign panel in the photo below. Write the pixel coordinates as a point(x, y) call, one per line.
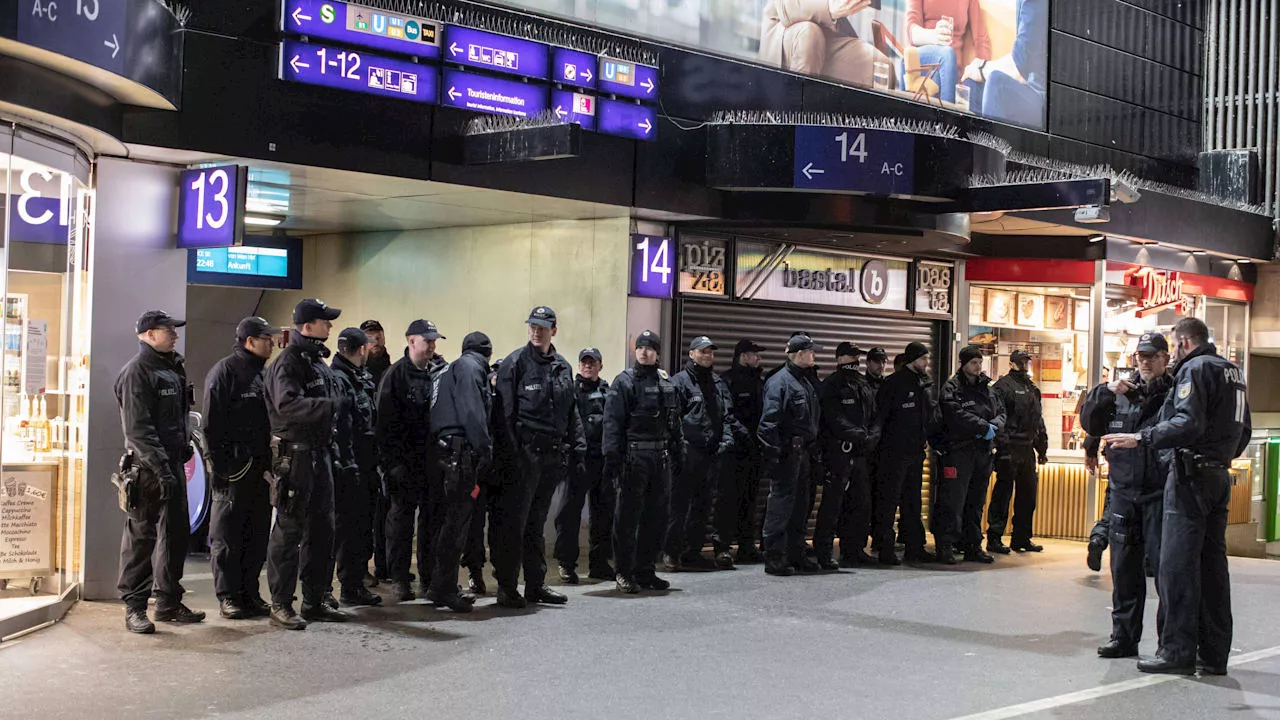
point(361, 25)
point(211, 206)
point(574, 67)
point(626, 119)
point(879, 162)
point(357, 71)
point(91, 31)
point(499, 53)
point(574, 107)
point(495, 96)
point(627, 79)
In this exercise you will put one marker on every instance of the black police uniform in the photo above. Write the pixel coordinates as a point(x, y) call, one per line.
point(592, 485)
point(788, 429)
point(540, 413)
point(643, 445)
point(356, 483)
point(460, 422)
point(377, 365)
point(302, 402)
point(238, 432)
point(1021, 445)
point(500, 471)
point(1205, 420)
point(873, 459)
point(849, 436)
point(1135, 504)
point(707, 415)
point(969, 409)
point(907, 413)
point(154, 399)
point(736, 513)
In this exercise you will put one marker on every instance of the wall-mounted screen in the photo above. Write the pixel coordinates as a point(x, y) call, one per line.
point(268, 263)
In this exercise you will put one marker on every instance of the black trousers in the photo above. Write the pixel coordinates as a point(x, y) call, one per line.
point(1135, 528)
point(593, 489)
point(1195, 586)
point(153, 548)
point(1017, 479)
point(846, 505)
point(409, 508)
point(641, 514)
point(516, 538)
point(1101, 532)
point(455, 482)
point(378, 527)
point(354, 493)
point(692, 496)
point(301, 544)
point(473, 556)
point(239, 529)
point(788, 505)
point(735, 511)
point(899, 486)
point(960, 494)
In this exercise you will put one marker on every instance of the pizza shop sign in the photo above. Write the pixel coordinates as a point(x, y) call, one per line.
point(1161, 290)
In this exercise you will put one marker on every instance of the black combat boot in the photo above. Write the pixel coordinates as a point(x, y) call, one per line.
point(136, 621)
point(284, 616)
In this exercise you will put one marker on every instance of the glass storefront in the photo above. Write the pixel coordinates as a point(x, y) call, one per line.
point(45, 230)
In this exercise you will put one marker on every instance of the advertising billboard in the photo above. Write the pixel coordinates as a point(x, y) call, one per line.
point(984, 57)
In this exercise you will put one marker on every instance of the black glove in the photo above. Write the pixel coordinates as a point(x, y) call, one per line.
point(1043, 458)
point(396, 478)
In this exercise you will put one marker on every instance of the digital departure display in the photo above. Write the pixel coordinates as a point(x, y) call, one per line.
point(262, 263)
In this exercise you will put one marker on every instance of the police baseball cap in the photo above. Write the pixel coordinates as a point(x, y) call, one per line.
point(746, 346)
point(877, 353)
point(1152, 342)
point(592, 353)
point(350, 339)
point(1019, 356)
point(152, 319)
point(254, 327)
point(371, 326)
point(702, 342)
point(425, 328)
point(649, 339)
point(800, 341)
point(848, 348)
point(311, 309)
point(542, 316)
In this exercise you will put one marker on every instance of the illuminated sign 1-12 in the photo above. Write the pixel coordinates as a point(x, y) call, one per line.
point(211, 206)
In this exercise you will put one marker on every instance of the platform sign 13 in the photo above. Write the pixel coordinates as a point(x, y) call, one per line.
point(653, 272)
point(211, 206)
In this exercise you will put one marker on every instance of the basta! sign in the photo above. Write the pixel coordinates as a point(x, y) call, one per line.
point(1161, 290)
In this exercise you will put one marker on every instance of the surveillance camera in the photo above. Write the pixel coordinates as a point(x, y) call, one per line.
point(1125, 193)
point(1093, 214)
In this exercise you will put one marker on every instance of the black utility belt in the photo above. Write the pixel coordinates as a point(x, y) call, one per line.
point(539, 440)
point(1200, 462)
point(799, 443)
point(647, 445)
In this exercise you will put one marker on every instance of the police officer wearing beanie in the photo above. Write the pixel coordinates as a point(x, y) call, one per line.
point(907, 413)
point(849, 435)
point(735, 514)
point(1021, 447)
point(238, 432)
point(303, 404)
point(643, 446)
point(592, 486)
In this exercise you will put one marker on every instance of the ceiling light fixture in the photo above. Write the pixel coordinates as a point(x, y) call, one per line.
point(263, 220)
point(1244, 261)
point(1198, 252)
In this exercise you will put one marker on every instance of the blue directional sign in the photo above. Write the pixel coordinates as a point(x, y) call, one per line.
point(574, 67)
point(626, 79)
point(499, 53)
point(494, 96)
point(357, 71)
point(359, 25)
point(880, 162)
point(626, 119)
point(91, 31)
point(574, 107)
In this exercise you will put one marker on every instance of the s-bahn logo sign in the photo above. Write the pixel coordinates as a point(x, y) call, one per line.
point(1161, 290)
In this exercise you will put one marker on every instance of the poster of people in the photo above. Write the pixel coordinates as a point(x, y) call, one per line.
point(985, 57)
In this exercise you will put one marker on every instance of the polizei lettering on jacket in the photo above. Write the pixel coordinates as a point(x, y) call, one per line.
point(829, 279)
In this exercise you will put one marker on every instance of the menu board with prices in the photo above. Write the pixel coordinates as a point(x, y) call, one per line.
point(26, 521)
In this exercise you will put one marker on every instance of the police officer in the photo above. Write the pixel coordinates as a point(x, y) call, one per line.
point(907, 413)
point(1135, 487)
point(876, 359)
point(302, 403)
point(378, 363)
point(1205, 421)
point(238, 432)
point(971, 417)
point(1021, 446)
point(355, 470)
point(154, 399)
point(643, 446)
point(591, 393)
point(707, 410)
point(788, 429)
point(735, 513)
point(848, 435)
point(460, 422)
point(379, 360)
point(499, 472)
point(404, 449)
point(540, 415)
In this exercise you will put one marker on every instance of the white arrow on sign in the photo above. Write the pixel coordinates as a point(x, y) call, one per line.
point(454, 94)
point(295, 64)
point(560, 113)
point(646, 126)
point(809, 171)
point(114, 44)
point(453, 48)
point(586, 74)
point(648, 86)
point(298, 17)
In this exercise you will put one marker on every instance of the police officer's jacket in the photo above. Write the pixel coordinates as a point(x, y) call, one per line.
point(906, 411)
point(746, 385)
point(403, 416)
point(642, 407)
point(302, 398)
point(791, 410)
point(1135, 473)
point(1024, 416)
point(969, 406)
point(1207, 412)
point(154, 400)
point(875, 381)
point(591, 399)
point(464, 400)
point(236, 426)
point(706, 406)
point(378, 364)
point(538, 397)
point(354, 440)
point(849, 411)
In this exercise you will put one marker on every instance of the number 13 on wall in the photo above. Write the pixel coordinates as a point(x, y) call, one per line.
point(652, 270)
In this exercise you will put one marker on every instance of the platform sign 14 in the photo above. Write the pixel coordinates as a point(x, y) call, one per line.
point(653, 273)
point(878, 162)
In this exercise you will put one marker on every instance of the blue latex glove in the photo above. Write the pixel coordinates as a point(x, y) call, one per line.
point(991, 432)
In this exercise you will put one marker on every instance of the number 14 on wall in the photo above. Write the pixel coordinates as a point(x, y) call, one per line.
point(651, 266)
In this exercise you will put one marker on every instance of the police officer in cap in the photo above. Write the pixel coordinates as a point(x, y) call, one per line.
point(643, 445)
point(378, 363)
point(735, 514)
point(592, 390)
point(1135, 487)
point(302, 403)
point(875, 375)
point(876, 359)
point(540, 414)
point(1021, 447)
point(355, 469)
point(154, 398)
point(1205, 421)
point(907, 412)
point(788, 429)
point(238, 432)
point(849, 435)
